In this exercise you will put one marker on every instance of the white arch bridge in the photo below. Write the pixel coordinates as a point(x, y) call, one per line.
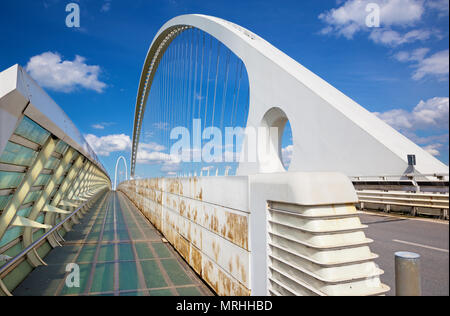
point(273, 228)
point(266, 230)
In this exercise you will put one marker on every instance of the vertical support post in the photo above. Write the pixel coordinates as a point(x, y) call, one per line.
point(81, 182)
point(33, 257)
point(407, 274)
point(49, 217)
point(78, 180)
point(50, 186)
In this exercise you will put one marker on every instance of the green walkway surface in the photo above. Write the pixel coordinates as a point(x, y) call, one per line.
point(118, 252)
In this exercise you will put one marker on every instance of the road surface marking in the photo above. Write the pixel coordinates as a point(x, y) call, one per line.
point(419, 245)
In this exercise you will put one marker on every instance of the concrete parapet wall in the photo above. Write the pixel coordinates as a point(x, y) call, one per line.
point(210, 230)
point(228, 229)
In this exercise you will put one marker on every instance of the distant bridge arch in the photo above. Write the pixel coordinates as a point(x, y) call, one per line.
point(331, 132)
point(115, 172)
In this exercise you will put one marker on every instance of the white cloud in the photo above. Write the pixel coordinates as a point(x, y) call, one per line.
point(152, 146)
point(50, 71)
point(433, 149)
point(98, 126)
point(350, 17)
point(393, 38)
point(440, 5)
point(430, 114)
point(102, 125)
point(435, 65)
point(105, 145)
point(151, 154)
point(169, 163)
point(286, 154)
point(416, 55)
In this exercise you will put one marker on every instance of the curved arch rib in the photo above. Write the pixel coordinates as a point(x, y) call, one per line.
point(331, 132)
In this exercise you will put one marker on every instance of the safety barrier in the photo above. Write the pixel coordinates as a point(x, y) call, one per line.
point(272, 234)
point(414, 203)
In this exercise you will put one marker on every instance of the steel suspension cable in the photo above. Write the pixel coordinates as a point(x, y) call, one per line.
point(224, 95)
point(215, 87)
point(201, 78)
point(207, 81)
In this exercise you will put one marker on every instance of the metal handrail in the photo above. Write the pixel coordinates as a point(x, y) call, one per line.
point(406, 175)
point(431, 200)
point(25, 251)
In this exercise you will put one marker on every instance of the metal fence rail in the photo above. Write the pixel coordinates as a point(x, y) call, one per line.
point(415, 202)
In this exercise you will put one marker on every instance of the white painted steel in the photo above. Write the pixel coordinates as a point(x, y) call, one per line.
point(405, 201)
point(115, 172)
point(21, 95)
point(331, 132)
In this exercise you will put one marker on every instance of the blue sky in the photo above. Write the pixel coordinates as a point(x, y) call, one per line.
point(399, 70)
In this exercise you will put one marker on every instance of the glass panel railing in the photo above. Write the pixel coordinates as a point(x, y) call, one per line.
point(18, 155)
point(61, 147)
point(4, 200)
point(31, 197)
point(51, 163)
point(32, 131)
point(10, 180)
point(42, 179)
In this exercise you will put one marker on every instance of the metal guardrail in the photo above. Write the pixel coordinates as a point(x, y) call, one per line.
point(406, 176)
point(406, 199)
point(36, 243)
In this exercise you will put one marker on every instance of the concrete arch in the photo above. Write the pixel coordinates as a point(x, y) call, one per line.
point(332, 132)
point(115, 172)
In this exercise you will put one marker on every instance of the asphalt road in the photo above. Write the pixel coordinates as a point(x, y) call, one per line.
point(429, 239)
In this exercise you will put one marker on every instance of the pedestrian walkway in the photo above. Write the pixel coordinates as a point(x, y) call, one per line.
point(118, 253)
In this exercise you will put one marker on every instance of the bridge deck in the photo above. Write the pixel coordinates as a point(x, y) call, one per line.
point(119, 253)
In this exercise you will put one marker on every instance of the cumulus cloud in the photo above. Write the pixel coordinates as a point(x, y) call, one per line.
point(416, 55)
point(105, 145)
point(436, 65)
point(350, 17)
point(431, 116)
point(286, 154)
point(398, 20)
point(393, 38)
point(441, 6)
point(433, 149)
point(151, 146)
point(149, 154)
point(50, 71)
